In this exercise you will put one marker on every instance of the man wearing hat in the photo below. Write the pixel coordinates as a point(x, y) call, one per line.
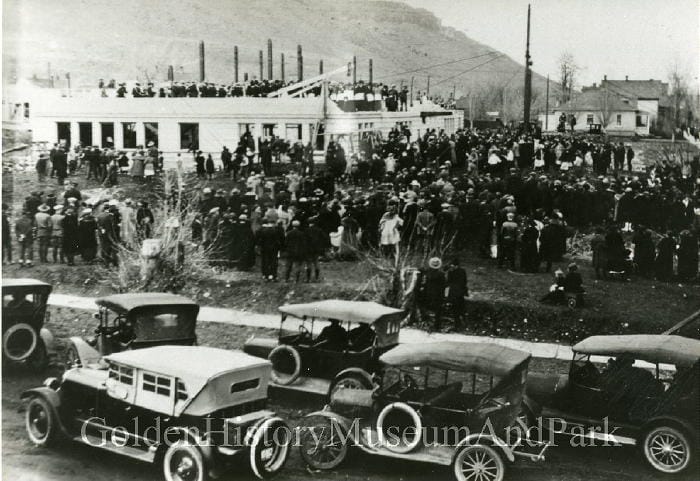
point(25, 236)
point(42, 165)
point(42, 220)
point(297, 246)
point(6, 235)
point(60, 165)
point(56, 221)
point(270, 239)
point(87, 235)
point(508, 237)
point(431, 292)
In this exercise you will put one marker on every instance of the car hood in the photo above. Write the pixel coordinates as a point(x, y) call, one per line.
point(543, 388)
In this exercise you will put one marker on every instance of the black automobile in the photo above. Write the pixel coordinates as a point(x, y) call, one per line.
point(24, 337)
point(135, 321)
point(641, 390)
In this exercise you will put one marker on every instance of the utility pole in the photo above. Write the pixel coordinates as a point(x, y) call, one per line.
point(269, 59)
point(427, 92)
point(354, 70)
point(300, 64)
point(527, 96)
point(320, 67)
point(262, 72)
point(201, 62)
point(471, 111)
point(282, 67)
point(411, 91)
point(371, 72)
point(454, 92)
point(546, 108)
point(503, 113)
point(235, 63)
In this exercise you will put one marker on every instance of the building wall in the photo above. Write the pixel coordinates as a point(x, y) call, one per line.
point(628, 122)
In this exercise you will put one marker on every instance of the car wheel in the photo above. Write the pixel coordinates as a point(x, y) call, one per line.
point(269, 448)
point(41, 422)
point(323, 445)
point(39, 359)
point(19, 341)
point(479, 462)
point(183, 461)
point(286, 364)
point(404, 446)
point(667, 449)
point(349, 381)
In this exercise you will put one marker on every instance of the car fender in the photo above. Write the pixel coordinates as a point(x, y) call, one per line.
point(48, 339)
point(489, 439)
point(51, 397)
point(355, 370)
point(344, 422)
point(259, 346)
point(684, 424)
point(86, 353)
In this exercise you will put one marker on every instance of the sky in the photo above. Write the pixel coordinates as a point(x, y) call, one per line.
point(643, 39)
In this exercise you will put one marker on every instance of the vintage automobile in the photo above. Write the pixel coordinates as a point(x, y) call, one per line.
point(24, 337)
point(644, 391)
point(459, 403)
point(135, 321)
point(314, 363)
point(192, 409)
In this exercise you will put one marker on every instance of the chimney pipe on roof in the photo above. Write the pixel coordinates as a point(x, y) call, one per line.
point(605, 78)
point(626, 78)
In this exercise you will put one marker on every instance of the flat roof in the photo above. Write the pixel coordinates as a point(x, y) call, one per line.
point(363, 312)
point(484, 357)
point(123, 303)
point(195, 365)
point(21, 282)
point(656, 348)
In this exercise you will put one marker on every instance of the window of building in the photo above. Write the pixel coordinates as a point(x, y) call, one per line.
point(268, 130)
point(122, 374)
point(293, 131)
point(129, 135)
point(85, 133)
point(107, 134)
point(642, 120)
point(157, 384)
point(151, 132)
point(589, 119)
point(189, 136)
point(63, 133)
point(244, 385)
point(618, 120)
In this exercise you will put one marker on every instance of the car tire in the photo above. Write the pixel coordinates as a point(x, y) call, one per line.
point(269, 448)
point(350, 380)
point(184, 461)
point(479, 461)
point(275, 356)
point(39, 359)
point(327, 447)
point(41, 422)
point(19, 342)
point(667, 449)
point(417, 425)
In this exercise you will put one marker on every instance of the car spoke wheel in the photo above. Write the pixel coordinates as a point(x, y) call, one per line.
point(667, 449)
point(269, 448)
point(479, 463)
point(323, 444)
point(349, 381)
point(183, 461)
point(41, 422)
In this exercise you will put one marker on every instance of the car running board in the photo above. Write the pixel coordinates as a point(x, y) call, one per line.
point(132, 452)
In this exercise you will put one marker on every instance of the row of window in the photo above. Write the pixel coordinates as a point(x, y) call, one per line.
point(189, 133)
point(641, 120)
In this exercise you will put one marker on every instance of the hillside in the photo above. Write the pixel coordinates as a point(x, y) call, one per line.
point(94, 39)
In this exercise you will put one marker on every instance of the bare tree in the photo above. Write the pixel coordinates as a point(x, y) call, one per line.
point(567, 75)
point(681, 99)
point(604, 107)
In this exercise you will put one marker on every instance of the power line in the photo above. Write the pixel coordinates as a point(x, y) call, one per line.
point(470, 69)
point(426, 67)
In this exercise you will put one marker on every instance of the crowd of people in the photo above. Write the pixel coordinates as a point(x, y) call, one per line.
point(513, 197)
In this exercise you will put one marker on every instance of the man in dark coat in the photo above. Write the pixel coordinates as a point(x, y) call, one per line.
point(529, 261)
point(71, 238)
point(107, 234)
point(431, 293)
point(270, 239)
point(665, 250)
point(688, 256)
point(87, 236)
point(457, 290)
point(297, 246)
point(60, 165)
point(6, 235)
point(548, 248)
point(243, 243)
point(643, 252)
point(319, 242)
